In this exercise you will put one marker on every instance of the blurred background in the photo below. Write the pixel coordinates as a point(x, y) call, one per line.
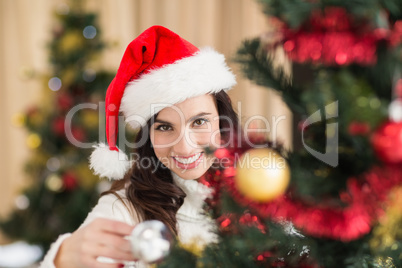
point(48, 64)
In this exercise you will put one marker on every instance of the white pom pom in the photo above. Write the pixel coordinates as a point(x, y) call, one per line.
point(107, 163)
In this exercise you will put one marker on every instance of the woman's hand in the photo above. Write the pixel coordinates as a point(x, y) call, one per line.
point(102, 237)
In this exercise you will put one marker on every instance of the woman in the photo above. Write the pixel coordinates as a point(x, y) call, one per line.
point(175, 95)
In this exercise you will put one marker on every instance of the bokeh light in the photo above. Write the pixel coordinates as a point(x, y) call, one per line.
point(89, 32)
point(54, 83)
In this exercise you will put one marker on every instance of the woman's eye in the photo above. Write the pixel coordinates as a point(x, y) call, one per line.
point(200, 122)
point(163, 127)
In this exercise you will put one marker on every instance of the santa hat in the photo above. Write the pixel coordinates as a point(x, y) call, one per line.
point(158, 70)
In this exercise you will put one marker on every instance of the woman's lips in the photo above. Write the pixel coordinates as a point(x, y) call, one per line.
point(191, 165)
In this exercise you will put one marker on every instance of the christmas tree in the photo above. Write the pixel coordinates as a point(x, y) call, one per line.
point(62, 189)
point(334, 201)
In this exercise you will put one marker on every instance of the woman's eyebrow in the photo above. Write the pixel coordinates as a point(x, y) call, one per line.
point(197, 115)
point(190, 119)
point(162, 122)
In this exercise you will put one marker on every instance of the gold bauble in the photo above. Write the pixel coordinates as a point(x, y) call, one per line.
point(262, 174)
point(71, 41)
point(34, 141)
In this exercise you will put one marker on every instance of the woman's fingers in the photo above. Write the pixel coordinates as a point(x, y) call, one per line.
point(106, 238)
point(111, 240)
point(112, 234)
point(115, 227)
point(93, 263)
point(100, 238)
point(108, 252)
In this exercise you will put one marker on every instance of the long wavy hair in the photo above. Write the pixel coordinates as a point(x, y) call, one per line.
point(151, 190)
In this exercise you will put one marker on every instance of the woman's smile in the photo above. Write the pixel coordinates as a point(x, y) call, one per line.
point(188, 162)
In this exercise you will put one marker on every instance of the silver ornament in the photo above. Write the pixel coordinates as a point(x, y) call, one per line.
point(150, 241)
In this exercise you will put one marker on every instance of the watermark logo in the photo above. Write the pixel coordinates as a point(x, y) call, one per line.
point(330, 156)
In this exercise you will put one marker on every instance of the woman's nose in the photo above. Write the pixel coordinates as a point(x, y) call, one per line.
point(186, 144)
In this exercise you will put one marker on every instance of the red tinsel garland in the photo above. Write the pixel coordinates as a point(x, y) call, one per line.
point(363, 199)
point(341, 48)
point(334, 37)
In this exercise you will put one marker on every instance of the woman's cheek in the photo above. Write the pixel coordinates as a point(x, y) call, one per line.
point(163, 155)
point(163, 140)
point(159, 143)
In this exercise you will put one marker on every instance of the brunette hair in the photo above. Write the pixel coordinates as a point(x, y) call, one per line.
point(151, 190)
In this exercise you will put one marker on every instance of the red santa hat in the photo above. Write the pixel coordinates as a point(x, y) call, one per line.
point(158, 70)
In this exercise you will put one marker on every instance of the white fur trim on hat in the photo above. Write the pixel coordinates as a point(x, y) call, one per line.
point(107, 163)
point(204, 72)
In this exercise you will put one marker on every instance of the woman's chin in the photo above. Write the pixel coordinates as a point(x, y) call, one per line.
point(192, 173)
point(189, 174)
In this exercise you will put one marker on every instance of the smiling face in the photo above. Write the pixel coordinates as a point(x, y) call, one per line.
point(181, 133)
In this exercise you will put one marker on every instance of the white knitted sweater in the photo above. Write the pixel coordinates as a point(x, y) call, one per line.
point(192, 225)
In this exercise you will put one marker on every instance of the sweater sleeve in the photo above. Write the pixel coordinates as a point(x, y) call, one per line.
point(109, 207)
point(48, 261)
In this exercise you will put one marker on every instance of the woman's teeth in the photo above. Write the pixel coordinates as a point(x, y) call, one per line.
point(187, 160)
